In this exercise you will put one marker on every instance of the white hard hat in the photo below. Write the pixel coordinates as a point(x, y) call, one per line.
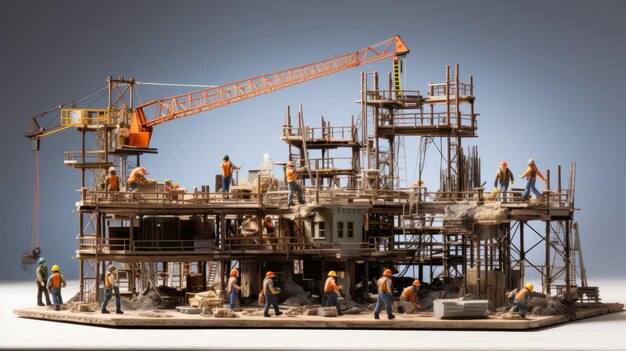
point(112, 169)
point(531, 162)
point(290, 163)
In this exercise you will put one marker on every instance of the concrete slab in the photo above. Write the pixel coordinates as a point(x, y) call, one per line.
point(424, 321)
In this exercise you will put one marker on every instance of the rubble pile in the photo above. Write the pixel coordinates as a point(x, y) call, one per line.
point(224, 313)
point(294, 311)
point(470, 214)
point(295, 295)
point(555, 307)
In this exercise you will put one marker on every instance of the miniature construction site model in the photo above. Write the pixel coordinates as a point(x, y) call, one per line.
point(332, 229)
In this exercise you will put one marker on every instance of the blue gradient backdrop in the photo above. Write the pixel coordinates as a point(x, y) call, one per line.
point(549, 79)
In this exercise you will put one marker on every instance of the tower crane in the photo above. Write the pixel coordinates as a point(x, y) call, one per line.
point(134, 126)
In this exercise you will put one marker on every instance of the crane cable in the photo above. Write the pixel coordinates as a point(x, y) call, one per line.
point(177, 85)
point(35, 237)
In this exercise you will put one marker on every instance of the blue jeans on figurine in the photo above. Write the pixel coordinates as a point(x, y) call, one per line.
point(531, 186)
point(503, 190)
point(294, 188)
point(233, 299)
point(107, 298)
point(226, 180)
point(271, 300)
point(386, 299)
point(519, 306)
point(57, 300)
point(331, 300)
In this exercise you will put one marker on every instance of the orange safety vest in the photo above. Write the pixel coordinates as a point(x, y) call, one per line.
point(114, 183)
point(330, 285)
point(382, 285)
point(408, 293)
point(227, 169)
point(520, 295)
point(108, 280)
point(56, 280)
point(133, 178)
point(533, 172)
point(292, 175)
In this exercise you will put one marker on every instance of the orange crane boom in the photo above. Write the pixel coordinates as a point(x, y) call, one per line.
point(148, 115)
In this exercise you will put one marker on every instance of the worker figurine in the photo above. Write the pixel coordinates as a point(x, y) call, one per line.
point(112, 181)
point(531, 173)
point(111, 282)
point(409, 294)
point(232, 288)
point(268, 225)
point(269, 290)
point(330, 291)
point(292, 180)
point(384, 295)
point(227, 173)
point(520, 303)
point(56, 281)
point(138, 175)
point(168, 186)
point(41, 278)
point(503, 176)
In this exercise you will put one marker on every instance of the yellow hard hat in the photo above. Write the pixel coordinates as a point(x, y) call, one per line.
point(332, 274)
point(530, 287)
point(234, 272)
point(55, 268)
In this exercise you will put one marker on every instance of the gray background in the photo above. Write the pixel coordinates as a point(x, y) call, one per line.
point(549, 79)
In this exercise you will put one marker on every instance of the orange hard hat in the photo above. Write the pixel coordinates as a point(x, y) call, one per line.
point(234, 272)
point(388, 272)
point(269, 274)
point(416, 283)
point(503, 164)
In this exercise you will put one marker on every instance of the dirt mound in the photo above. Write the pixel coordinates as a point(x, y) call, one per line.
point(555, 306)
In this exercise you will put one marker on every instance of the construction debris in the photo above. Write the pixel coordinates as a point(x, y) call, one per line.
point(469, 214)
point(555, 306)
point(294, 311)
point(206, 299)
point(355, 310)
point(224, 313)
point(327, 311)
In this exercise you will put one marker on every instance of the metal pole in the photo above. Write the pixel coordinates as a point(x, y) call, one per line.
point(548, 273)
point(522, 255)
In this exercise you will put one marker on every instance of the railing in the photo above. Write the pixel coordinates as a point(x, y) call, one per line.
point(428, 119)
point(341, 133)
point(278, 198)
point(91, 244)
point(76, 157)
point(170, 199)
point(439, 89)
point(402, 96)
point(242, 243)
point(328, 163)
point(84, 117)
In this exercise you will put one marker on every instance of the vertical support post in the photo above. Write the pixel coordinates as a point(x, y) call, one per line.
point(567, 261)
point(364, 131)
point(478, 279)
point(522, 254)
point(547, 273)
